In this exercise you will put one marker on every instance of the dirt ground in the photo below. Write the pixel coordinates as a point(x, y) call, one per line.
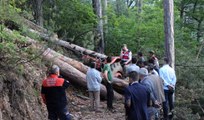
point(79, 107)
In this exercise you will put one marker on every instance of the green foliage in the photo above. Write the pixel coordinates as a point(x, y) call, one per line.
point(72, 19)
point(141, 32)
point(13, 50)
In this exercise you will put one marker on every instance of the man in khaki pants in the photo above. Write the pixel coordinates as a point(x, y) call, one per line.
point(94, 79)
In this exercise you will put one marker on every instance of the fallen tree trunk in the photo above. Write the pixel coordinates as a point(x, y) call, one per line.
point(76, 64)
point(68, 71)
point(73, 47)
point(74, 75)
point(34, 26)
point(45, 34)
point(81, 67)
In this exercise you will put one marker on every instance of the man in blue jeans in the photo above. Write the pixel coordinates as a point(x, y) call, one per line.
point(167, 73)
point(54, 95)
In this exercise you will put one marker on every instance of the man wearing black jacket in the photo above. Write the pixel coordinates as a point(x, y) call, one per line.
point(54, 95)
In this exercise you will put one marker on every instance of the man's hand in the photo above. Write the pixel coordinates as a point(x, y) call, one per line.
point(170, 88)
point(157, 104)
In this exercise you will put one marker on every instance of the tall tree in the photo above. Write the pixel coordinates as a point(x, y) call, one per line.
point(99, 38)
point(169, 30)
point(38, 11)
point(139, 5)
point(105, 18)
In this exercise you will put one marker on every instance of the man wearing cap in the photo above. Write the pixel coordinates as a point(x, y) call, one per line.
point(54, 95)
point(94, 79)
point(133, 66)
point(146, 81)
point(168, 75)
point(136, 98)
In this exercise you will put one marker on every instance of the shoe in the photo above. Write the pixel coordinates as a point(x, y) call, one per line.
point(98, 111)
point(112, 110)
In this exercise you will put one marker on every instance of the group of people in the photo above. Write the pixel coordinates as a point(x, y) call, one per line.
point(149, 89)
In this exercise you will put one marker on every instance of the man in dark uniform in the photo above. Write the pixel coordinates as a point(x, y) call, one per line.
point(136, 99)
point(54, 95)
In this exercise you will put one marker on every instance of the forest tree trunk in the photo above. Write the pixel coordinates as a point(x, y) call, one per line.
point(140, 6)
point(38, 11)
point(99, 38)
point(169, 31)
point(105, 20)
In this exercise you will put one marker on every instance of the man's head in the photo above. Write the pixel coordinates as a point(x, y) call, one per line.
point(55, 70)
point(93, 64)
point(125, 47)
point(133, 76)
point(134, 60)
point(139, 54)
point(151, 53)
point(151, 67)
point(143, 73)
point(108, 59)
point(166, 60)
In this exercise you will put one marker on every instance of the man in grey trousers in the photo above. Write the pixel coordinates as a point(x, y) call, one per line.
point(94, 79)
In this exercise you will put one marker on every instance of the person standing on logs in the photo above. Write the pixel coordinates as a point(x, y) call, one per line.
point(54, 95)
point(126, 56)
point(108, 83)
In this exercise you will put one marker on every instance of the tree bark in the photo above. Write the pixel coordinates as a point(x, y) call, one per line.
point(169, 31)
point(76, 64)
point(140, 6)
point(105, 17)
point(38, 11)
point(99, 38)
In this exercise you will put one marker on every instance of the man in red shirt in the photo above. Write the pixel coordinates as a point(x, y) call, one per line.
point(54, 95)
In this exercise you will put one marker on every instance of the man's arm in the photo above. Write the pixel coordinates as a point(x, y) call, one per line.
point(43, 94)
point(66, 84)
point(150, 90)
point(121, 54)
point(127, 99)
point(106, 76)
point(43, 98)
point(98, 77)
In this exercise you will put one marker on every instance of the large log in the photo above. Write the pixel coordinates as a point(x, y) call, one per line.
point(118, 83)
point(74, 75)
point(49, 36)
point(76, 64)
point(68, 71)
point(73, 47)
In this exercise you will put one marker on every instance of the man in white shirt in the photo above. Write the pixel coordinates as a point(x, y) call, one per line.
point(168, 75)
point(94, 79)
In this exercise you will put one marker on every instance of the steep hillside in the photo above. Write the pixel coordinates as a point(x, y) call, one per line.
point(20, 93)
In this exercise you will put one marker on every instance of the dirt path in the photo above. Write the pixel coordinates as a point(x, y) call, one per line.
point(80, 109)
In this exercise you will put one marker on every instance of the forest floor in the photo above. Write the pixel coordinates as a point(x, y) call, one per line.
point(79, 107)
